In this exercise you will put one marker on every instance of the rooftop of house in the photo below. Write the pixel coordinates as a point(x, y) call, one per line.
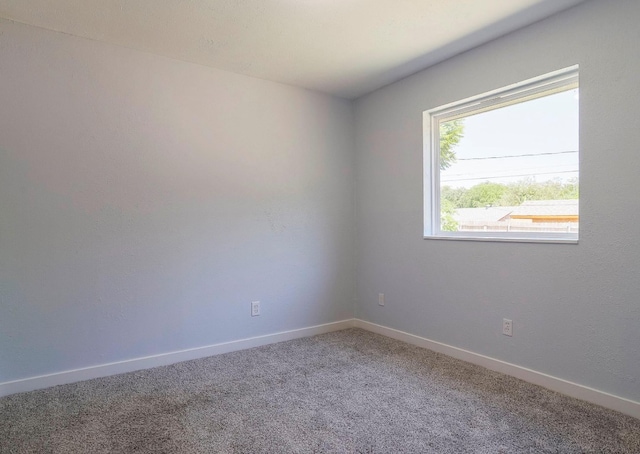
point(486, 214)
point(527, 208)
point(547, 208)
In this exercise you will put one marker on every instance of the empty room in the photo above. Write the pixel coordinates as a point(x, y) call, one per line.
point(319, 226)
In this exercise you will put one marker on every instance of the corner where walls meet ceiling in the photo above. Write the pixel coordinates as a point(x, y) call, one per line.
point(345, 48)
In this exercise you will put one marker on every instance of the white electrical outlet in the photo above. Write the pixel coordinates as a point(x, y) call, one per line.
point(381, 299)
point(507, 327)
point(255, 308)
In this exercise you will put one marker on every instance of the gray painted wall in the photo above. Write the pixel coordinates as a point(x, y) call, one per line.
point(145, 202)
point(576, 308)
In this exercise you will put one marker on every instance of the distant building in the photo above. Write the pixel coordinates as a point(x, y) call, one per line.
point(531, 216)
point(546, 211)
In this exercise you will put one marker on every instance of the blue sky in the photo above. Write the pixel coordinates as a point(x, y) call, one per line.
point(544, 125)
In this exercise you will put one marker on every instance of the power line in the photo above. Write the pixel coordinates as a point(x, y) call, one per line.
point(511, 176)
point(526, 169)
point(518, 155)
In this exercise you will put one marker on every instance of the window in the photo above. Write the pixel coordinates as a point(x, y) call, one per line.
point(504, 165)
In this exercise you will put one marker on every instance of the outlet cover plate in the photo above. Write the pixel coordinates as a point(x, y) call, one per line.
point(255, 308)
point(507, 327)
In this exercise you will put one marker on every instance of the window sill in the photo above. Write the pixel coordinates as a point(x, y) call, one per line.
point(503, 239)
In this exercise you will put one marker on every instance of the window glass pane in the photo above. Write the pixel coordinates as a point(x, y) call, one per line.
point(512, 169)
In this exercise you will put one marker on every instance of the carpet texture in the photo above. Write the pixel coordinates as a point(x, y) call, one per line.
point(345, 392)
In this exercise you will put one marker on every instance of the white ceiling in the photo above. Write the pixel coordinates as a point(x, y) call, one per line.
point(343, 47)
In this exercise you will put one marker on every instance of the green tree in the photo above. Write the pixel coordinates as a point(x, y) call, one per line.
point(517, 193)
point(528, 189)
point(447, 221)
point(483, 194)
point(512, 194)
point(570, 190)
point(453, 195)
point(451, 132)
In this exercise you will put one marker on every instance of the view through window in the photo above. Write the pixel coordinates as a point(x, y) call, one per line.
point(507, 166)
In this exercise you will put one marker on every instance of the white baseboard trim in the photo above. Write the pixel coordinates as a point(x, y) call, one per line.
point(626, 406)
point(568, 388)
point(163, 359)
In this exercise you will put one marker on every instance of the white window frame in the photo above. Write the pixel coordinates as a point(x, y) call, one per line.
point(556, 81)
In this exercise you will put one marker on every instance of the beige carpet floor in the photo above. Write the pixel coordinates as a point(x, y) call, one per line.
point(345, 392)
